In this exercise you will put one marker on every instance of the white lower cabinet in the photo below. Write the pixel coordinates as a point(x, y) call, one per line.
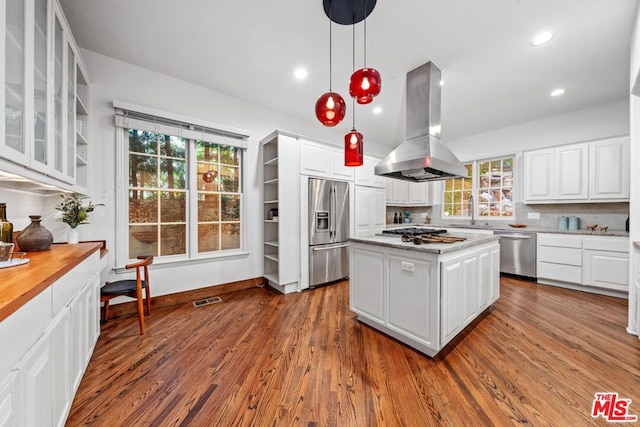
point(470, 283)
point(422, 299)
point(38, 389)
point(36, 394)
point(9, 391)
point(593, 263)
point(413, 298)
point(367, 288)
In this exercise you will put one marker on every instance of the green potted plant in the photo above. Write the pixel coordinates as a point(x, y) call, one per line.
point(74, 213)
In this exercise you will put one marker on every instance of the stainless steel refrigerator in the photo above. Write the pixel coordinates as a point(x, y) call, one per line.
point(328, 231)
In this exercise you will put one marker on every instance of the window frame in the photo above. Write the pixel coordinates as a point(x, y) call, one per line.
point(191, 215)
point(475, 187)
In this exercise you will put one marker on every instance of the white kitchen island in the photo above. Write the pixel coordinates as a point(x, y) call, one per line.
point(423, 295)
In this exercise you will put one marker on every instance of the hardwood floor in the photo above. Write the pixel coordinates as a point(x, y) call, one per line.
point(262, 358)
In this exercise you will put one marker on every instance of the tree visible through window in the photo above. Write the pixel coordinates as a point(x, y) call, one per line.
point(456, 194)
point(491, 184)
point(160, 200)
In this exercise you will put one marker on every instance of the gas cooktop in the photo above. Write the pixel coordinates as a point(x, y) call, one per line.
point(413, 231)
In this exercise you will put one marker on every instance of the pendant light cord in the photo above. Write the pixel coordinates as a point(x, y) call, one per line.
point(364, 9)
point(353, 65)
point(330, 42)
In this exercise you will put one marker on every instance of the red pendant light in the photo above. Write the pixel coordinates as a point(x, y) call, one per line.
point(353, 148)
point(365, 83)
point(353, 141)
point(330, 107)
point(209, 176)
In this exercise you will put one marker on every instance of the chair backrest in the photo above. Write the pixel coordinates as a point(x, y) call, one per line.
point(146, 260)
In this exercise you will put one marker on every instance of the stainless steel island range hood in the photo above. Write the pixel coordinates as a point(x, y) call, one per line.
point(422, 157)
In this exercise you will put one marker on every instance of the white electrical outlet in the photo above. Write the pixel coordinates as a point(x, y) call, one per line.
point(408, 266)
point(533, 215)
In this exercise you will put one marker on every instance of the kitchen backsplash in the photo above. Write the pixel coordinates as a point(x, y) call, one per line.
point(612, 215)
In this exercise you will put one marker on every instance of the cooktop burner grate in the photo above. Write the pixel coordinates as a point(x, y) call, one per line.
point(414, 231)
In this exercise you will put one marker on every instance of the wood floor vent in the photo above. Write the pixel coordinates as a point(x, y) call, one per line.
point(206, 301)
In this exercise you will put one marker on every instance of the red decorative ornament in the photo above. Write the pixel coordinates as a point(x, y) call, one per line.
point(209, 176)
point(353, 148)
point(365, 84)
point(330, 108)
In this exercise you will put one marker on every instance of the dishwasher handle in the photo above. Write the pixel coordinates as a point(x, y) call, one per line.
point(515, 236)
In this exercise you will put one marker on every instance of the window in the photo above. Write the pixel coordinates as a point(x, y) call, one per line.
point(456, 194)
point(184, 194)
point(491, 184)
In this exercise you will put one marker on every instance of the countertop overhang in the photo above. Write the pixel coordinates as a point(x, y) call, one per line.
point(505, 227)
point(394, 241)
point(20, 284)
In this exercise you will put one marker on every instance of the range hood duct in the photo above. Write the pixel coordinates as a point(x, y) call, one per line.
point(422, 157)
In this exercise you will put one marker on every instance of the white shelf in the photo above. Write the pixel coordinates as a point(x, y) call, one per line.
point(80, 107)
point(272, 162)
point(80, 161)
point(272, 277)
point(272, 257)
point(270, 201)
point(271, 221)
point(272, 181)
point(273, 243)
point(80, 139)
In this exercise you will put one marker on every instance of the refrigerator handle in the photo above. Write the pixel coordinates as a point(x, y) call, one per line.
point(335, 207)
point(331, 208)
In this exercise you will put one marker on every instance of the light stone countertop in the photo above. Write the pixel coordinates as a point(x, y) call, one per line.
point(393, 241)
point(504, 227)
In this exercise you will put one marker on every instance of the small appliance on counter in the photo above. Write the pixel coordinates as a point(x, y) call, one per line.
point(563, 223)
point(573, 223)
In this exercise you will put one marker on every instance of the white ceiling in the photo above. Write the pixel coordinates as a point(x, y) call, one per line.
point(494, 78)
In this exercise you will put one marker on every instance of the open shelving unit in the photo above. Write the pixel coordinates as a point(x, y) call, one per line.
point(82, 127)
point(280, 200)
point(270, 202)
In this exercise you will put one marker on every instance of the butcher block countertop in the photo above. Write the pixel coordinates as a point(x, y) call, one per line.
point(19, 284)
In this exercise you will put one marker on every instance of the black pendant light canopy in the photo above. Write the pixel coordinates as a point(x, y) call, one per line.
point(348, 12)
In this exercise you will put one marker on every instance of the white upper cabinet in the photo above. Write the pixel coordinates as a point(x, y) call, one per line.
point(571, 164)
point(365, 174)
point(41, 73)
point(585, 172)
point(609, 166)
point(324, 161)
point(406, 193)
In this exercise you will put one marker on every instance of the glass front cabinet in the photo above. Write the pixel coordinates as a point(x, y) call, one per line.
point(45, 115)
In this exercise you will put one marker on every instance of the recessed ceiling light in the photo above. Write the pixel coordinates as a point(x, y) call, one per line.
point(557, 92)
point(541, 38)
point(300, 73)
point(377, 110)
point(441, 82)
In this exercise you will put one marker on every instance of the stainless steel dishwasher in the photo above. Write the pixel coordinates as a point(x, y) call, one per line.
point(517, 253)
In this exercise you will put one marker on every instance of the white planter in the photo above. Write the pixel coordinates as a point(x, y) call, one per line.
point(72, 237)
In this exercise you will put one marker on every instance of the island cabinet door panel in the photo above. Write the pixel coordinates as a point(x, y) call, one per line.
point(452, 277)
point(489, 276)
point(413, 298)
point(470, 291)
point(366, 288)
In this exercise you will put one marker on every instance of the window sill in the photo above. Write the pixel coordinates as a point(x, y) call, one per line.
point(177, 262)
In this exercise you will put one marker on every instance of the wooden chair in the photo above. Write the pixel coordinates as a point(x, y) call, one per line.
point(131, 288)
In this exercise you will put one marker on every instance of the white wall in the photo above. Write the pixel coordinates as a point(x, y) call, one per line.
point(116, 80)
point(634, 202)
point(583, 125)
